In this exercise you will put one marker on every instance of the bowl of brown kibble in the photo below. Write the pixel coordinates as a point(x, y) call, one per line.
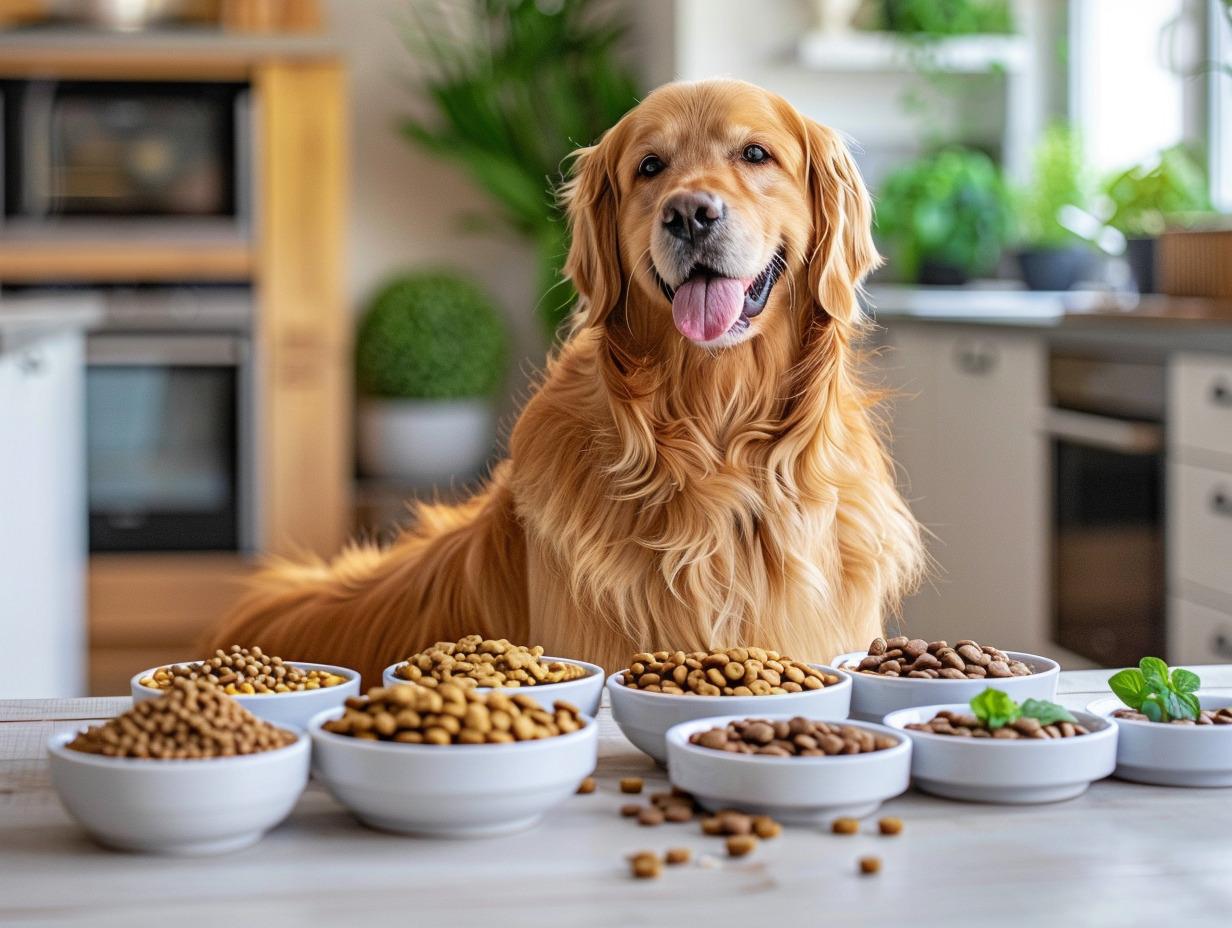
point(1178, 752)
point(901, 672)
point(487, 664)
point(798, 770)
point(664, 688)
point(957, 755)
point(282, 692)
point(450, 761)
point(189, 772)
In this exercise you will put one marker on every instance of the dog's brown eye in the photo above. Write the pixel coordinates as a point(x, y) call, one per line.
point(650, 166)
point(755, 154)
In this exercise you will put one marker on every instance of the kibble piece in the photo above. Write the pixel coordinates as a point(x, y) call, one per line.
point(712, 826)
point(678, 855)
point(845, 826)
point(631, 809)
point(677, 812)
point(766, 827)
point(740, 845)
point(890, 826)
point(631, 785)
point(646, 865)
point(587, 785)
point(870, 865)
point(650, 815)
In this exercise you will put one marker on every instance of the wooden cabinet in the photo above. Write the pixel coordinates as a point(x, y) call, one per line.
point(966, 418)
point(147, 608)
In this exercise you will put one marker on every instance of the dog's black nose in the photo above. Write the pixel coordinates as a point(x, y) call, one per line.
point(691, 217)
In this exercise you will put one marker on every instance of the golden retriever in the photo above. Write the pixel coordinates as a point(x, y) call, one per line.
point(699, 466)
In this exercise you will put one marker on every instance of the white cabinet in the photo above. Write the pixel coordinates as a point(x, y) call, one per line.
point(967, 437)
point(42, 516)
point(1200, 508)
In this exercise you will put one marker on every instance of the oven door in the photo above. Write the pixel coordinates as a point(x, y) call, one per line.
point(1107, 537)
point(164, 441)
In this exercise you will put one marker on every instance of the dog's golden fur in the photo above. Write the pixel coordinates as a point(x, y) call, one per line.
point(658, 494)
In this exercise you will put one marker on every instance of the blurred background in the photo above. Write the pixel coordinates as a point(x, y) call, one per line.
point(270, 268)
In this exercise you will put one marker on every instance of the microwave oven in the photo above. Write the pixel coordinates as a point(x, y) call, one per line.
point(142, 150)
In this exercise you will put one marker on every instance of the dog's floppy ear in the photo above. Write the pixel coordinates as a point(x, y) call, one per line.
point(843, 249)
point(594, 255)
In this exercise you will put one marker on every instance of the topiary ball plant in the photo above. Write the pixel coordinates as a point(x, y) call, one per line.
point(431, 335)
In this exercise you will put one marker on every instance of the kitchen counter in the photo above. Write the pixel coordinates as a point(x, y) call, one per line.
point(1120, 854)
point(25, 319)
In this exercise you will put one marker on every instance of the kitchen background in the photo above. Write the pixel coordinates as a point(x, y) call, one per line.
point(223, 218)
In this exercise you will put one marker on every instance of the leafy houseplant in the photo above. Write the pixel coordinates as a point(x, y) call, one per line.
point(947, 215)
point(935, 18)
point(517, 85)
point(1052, 256)
point(430, 357)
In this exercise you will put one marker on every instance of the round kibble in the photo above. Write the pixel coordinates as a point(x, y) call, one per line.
point(890, 826)
point(870, 865)
point(765, 827)
point(1205, 717)
point(965, 725)
point(650, 815)
point(740, 845)
point(452, 714)
point(931, 660)
point(731, 672)
point(799, 737)
point(191, 720)
point(646, 865)
point(244, 672)
point(630, 810)
point(845, 826)
point(631, 785)
point(587, 785)
point(485, 662)
point(678, 855)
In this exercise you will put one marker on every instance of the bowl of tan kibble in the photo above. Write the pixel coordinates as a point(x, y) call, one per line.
point(488, 664)
point(451, 761)
point(664, 688)
point(189, 772)
point(282, 692)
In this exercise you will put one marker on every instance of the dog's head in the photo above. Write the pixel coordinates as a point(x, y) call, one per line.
point(717, 208)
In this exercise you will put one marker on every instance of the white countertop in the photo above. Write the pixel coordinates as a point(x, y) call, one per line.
point(27, 318)
point(1121, 854)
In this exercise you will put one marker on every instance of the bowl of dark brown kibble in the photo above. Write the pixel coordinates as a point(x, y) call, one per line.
point(900, 672)
point(796, 769)
point(189, 772)
point(994, 749)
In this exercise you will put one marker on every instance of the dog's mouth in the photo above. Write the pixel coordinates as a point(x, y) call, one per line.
point(708, 305)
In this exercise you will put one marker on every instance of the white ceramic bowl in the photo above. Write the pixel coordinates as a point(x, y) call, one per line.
point(1171, 755)
point(644, 717)
point(1025, 770)
point(873, 696)
point(184, 807)
point(288, 709)
point(584, 692)
point(795, 790)
point(451, 790)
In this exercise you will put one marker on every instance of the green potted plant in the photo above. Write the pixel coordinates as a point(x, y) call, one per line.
point(1149, 197)
point(430, 358)
point(1051, 255)
point(945, 216)
point(516, 87)
point(936, 18)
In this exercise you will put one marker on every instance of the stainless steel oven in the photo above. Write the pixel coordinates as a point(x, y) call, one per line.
point(1107, 435)
point(169, 437)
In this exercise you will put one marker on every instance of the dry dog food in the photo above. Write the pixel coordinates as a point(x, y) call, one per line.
point(890, 826)
point(733, 672)
point(487, 663)
point(962, 725)
point(190, 720)
point(451, 714)
point(631, 785)
point(740, 845)
point(799, 737)
point(646, 865)
point(735, 822)
point(677, 855)
point(587, 785)
point(845, 826)
point(915, 657)
point(244, 672)
point(870, 865)
point(631, 809)
point(1205, 717)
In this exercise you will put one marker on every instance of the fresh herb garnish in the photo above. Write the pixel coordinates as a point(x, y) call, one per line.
point(1159, 694)
point(995, 710)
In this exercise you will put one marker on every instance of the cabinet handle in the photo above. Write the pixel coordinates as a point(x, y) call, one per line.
point(1221, 394)
point(1220, 504)
point(1221, 645)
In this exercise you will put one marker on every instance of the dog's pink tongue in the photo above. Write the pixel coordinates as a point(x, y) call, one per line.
point(705, 307)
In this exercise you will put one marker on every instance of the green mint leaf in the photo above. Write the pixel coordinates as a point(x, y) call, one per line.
point(1190, 707)
point(1130, 687)
point(994, 708)
point(1046, 712)
point(1185, 681)
point(1151, 709)
point(1155, 670)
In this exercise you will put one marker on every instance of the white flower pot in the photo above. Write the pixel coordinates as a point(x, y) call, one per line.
point(425, 441)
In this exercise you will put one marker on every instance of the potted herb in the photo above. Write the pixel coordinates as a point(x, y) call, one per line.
point(1151, 196)
point(517, 86)
point(946, 17)
point(946, 216)
point(1051, 256)
point(430, 357)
